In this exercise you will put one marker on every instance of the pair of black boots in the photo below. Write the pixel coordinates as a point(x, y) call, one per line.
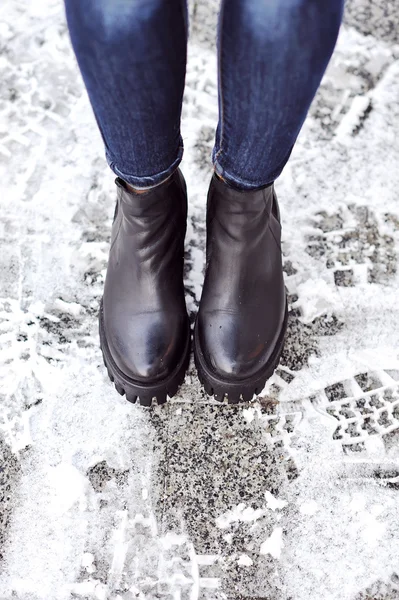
point(144, 327)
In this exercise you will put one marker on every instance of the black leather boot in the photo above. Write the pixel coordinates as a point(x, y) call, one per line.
point(241, 323)
point(144, 327)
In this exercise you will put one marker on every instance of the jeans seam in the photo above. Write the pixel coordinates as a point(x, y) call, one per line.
point(219, 152)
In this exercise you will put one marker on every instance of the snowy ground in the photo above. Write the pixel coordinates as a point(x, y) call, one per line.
point(292, 497)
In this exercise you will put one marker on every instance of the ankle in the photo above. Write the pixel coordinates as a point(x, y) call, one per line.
point(135, 190)
point(144, 190)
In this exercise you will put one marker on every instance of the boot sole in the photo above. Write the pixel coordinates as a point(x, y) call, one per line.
point(237, 391)
point(145, 394)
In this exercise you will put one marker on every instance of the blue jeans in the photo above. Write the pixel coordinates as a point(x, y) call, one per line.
point(132, 55)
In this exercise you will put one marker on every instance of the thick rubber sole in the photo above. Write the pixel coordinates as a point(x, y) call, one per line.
point(144, 394)
point(237, 391)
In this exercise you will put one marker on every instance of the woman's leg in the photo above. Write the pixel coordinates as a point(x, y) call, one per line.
point(132, 56)
point(272, 56)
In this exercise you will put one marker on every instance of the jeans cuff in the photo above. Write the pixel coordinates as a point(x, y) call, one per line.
point(237, 182)
point(245, 184)
point(147, 181)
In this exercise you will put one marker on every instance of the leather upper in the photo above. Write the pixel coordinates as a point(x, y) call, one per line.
point(243, 301)
point(145, 317)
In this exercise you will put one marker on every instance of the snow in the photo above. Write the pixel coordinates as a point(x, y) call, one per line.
point(274, 544)
point(238, 513)
point(317, 299)
point(274, 503)
point(308, 508)
point(245, 561)
point(352, 119)
point(69, 486)
point(293, 496)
